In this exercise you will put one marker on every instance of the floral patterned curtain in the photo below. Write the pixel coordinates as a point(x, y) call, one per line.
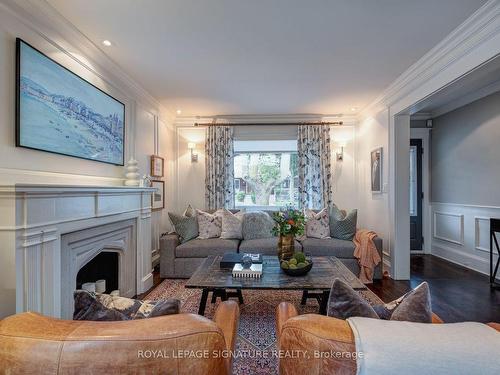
point(315, 186)
point(219, 180)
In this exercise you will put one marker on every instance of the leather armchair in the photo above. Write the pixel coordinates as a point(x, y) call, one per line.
point(315, 334)
point(31, 343)
point(321, 334)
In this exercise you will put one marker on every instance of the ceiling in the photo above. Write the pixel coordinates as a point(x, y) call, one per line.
point(265, 56)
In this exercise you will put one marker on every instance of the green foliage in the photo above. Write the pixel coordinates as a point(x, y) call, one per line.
point(289, 221)
point(240, 196)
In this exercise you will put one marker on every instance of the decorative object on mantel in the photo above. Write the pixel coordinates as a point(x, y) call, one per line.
point(132, 175)
point(158, 197)
point(376, 169)
point(289, 223)
point(145, 181)
point(494, 228)
point(157, 166)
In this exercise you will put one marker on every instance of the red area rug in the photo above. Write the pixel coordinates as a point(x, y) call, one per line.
point(256, 340)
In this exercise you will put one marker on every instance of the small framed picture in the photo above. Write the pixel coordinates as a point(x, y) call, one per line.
point(376, 169)
point(158, 197)
point(156, 166)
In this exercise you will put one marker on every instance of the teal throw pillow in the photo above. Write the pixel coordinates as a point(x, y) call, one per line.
point(342, 226)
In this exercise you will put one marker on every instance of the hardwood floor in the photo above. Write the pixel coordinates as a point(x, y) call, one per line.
point(458, 294)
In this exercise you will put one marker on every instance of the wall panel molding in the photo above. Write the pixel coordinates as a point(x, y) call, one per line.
point(482, 233)
point(440, 228)
point(473, 249)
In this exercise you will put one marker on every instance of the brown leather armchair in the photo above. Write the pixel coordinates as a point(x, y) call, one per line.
point(317, 334)
point(175, 344)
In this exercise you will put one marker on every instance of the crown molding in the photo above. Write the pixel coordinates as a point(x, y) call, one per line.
point(46, 21)
point(480, 27)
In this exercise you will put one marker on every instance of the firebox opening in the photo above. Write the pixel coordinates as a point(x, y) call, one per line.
point(103, 266)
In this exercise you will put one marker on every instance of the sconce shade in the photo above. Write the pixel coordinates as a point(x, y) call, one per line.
point(191, 145)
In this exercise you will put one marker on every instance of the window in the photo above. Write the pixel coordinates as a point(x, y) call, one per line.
point(266, 179)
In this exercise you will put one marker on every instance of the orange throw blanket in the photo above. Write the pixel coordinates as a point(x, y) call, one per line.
point(366, 253)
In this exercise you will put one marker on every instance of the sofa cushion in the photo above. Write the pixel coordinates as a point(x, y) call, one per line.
point(185, 226)
point(200, 248)
point(317, 224)
point(328, 247)
point(232, 224)
point(342, 226)
point(209, 225)
point(264, 246)
point(257, 225)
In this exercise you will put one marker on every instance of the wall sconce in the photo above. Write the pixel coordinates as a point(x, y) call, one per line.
point(340, 153)
point(194, 154)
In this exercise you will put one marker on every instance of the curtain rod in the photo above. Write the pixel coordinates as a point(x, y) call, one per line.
point(269, 123)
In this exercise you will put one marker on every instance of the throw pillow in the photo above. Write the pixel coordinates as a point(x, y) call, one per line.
point(232, 225)
point(345, 302)
point(257, 225)
point(186, 227)
point(95, 306)
point(189, 211)
point(317, 224)
point(414, 306)
point(209, 225)
point(342, 226)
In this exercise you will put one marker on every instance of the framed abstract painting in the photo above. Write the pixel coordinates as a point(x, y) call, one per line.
point(59, 112)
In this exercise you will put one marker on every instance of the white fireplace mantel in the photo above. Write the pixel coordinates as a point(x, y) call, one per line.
point(32, 220)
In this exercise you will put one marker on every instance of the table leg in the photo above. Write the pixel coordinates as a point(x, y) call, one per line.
point(203, 302)
point(324, 302)
point(305, 296)
point(240, 296)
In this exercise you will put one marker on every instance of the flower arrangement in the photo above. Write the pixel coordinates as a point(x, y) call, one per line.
point(289, 221)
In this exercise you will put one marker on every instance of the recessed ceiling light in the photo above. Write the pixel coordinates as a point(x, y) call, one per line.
point(107, 43)
point(179, 111)
point(354, 109)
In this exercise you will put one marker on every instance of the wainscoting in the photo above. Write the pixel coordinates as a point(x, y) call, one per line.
point(460, 233)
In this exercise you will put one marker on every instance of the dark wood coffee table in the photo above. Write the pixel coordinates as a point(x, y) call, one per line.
point(316, 284)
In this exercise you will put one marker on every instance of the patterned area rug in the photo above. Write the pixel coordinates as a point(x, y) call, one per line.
point(256, 332)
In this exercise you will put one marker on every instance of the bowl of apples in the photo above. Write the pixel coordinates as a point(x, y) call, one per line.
point(297, 265)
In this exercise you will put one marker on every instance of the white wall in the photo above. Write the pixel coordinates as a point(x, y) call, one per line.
point(373, 208)
point(149, 127)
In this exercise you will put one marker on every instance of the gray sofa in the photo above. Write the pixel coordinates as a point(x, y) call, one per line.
point(181, 260)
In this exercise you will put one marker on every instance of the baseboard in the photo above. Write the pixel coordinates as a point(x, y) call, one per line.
point(461, 258)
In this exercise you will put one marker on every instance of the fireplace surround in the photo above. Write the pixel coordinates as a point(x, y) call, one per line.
point(48, 232)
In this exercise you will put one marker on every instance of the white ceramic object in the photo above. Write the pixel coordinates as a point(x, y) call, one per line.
point(132, 175)
point(89, 287)
point(100, 286)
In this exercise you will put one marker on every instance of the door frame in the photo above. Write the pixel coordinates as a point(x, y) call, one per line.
point(425, 135)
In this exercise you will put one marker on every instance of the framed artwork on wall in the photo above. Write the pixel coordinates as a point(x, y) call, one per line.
point(157, 166)
point(60, 112)
point(376, 170)
point(158, 197)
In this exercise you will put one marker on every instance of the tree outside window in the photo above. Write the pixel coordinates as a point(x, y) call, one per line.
point(266, 179)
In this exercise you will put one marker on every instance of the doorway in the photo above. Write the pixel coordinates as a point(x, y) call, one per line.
point(416, 196)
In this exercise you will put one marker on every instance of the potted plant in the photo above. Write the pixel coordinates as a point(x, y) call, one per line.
point(290, 222)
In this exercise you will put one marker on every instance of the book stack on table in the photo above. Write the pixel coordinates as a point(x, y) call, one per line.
point(255, 271)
